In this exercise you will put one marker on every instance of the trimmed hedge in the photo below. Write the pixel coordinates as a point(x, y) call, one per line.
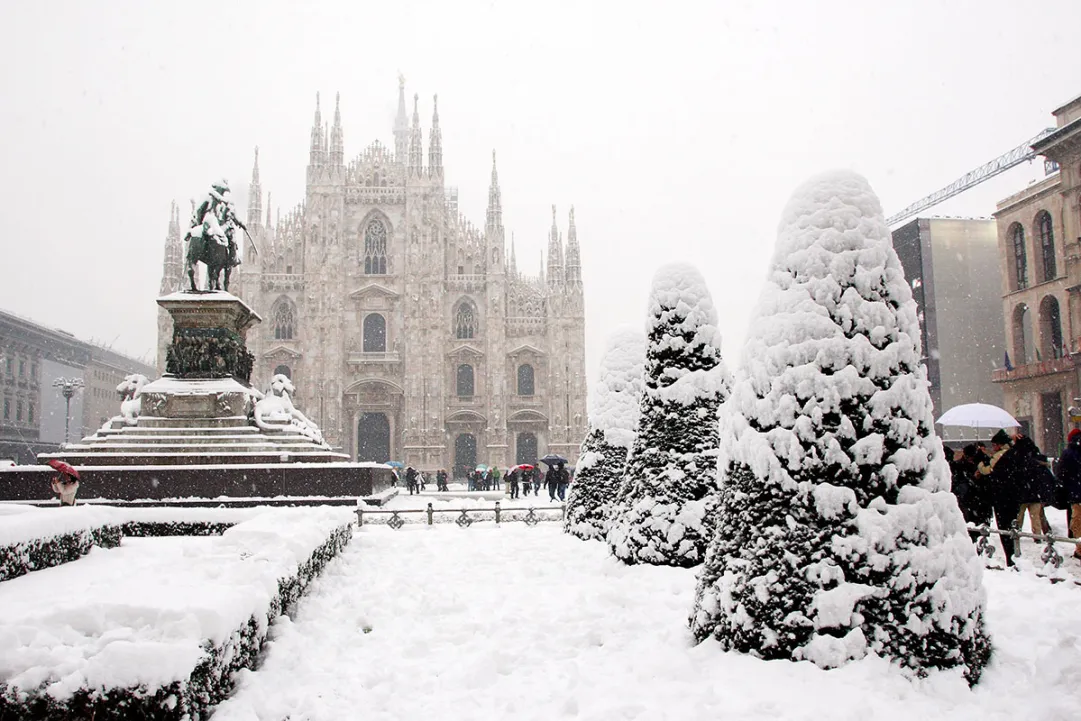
point(143, 529)
point(34, 554)
point(210, 681)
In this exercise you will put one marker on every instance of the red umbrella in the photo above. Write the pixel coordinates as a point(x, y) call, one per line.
point(522, 467)
point(65, 468)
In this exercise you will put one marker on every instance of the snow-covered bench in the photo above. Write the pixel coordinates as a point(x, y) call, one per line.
point(35, 538)
point(156, 627)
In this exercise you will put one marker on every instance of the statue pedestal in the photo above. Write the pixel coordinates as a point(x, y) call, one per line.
point(210, 310)
point(210, 332)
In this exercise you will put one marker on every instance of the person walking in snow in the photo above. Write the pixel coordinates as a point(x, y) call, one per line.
point(1004, 470)
point(1069, 475)
point(441, 480)
point(411, 480)
point(1037, 486)
point(535, 474)
point(514, 482)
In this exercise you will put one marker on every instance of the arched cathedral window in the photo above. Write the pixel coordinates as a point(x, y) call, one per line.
point(375, 248)
point(375, 333)
point(285, 320)
point(465, 321)
point(284, 370)
point(1047, 244)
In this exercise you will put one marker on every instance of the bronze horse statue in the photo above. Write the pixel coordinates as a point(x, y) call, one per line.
point(218, 259)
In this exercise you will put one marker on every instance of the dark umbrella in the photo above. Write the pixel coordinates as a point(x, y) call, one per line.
point(65, 468)
point(553, 459)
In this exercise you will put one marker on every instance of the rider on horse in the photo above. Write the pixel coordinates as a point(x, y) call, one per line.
point(214, 221)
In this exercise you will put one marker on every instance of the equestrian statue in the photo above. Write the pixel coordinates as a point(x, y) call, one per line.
point(210, 238)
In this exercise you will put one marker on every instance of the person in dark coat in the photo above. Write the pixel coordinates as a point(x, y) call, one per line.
point(1002, 470)
point(1036, 484)
point(441, 480)
point(1069, 476)
point(514, 483)
point(411, 480)
point(970, 488)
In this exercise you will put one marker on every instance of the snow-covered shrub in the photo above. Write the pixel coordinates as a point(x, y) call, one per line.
point(41, 538)
point(669, 486)
point(168, 671)
point(836, 533)
point(613, 421)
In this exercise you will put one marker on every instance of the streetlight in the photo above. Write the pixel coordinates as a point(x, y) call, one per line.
point(68, 388)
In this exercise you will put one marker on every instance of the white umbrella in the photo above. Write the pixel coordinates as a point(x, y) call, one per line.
point(978, 415)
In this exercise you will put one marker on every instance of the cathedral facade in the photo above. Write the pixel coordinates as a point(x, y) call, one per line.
point(409, 332)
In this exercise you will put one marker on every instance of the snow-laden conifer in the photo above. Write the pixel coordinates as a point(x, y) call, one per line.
point(613, 422)
point(670, 481)
point(836, 533)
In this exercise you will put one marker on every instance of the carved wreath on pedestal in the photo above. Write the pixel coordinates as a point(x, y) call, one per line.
point(208, 353)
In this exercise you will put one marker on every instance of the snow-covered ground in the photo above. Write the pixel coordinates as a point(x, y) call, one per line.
point(530, 623)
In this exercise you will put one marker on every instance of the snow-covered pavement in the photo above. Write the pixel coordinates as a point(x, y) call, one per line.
point(528, 623)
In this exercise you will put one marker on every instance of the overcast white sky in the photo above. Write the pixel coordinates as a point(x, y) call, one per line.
point(677, 130)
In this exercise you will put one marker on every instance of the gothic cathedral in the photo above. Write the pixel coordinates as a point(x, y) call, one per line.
point(409, 333)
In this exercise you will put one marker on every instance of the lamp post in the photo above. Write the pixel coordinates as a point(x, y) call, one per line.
point(68, 387)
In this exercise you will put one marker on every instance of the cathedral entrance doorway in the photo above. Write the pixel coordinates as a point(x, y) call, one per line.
point(526, 449)
point(373, 438)
point(465, 454)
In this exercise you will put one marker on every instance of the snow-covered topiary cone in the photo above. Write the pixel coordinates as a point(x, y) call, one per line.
point(613, 421)
point(670, 484)
point(836, 533)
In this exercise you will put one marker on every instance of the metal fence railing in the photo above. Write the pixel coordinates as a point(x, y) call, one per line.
point(1049, 554)
point(464, 517)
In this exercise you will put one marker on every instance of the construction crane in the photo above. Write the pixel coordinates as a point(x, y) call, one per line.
point(1001, 164)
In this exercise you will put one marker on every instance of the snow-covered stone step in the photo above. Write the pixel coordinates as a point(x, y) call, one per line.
point(190, 457)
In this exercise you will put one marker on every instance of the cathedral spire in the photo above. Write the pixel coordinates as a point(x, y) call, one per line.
point(268, 226)
point(337, 143)
point(401, 124)
point(255, 195)
point(315, 150)
point(494, 219)
point(416, 141)
point(555, 253)
point(574, 260)
point(435, 143)
point(171, 271)
point(513, 260)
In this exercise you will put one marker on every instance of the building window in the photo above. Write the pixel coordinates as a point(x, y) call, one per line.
point(1050, 328)
point(18, 411)
point(8, 365)
point(34, 370)
point(22, 368)
point(284, 370)
point(284, 320)
point(1047, 244)
point(465, 321)
point(30, 412)
point(375, 248)
point(525, 380)
point(465, 381)
point(1020, 261)
point(375, 333)
point(1023, 348)
point(7, 409)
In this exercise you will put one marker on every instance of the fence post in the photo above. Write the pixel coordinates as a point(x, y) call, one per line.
point(497, 513)
point(429, 514)
point(360, 516)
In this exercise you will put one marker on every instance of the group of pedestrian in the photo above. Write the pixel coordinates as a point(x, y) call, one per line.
point(415, 481)
point(1013, 478)
point(483, 480)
